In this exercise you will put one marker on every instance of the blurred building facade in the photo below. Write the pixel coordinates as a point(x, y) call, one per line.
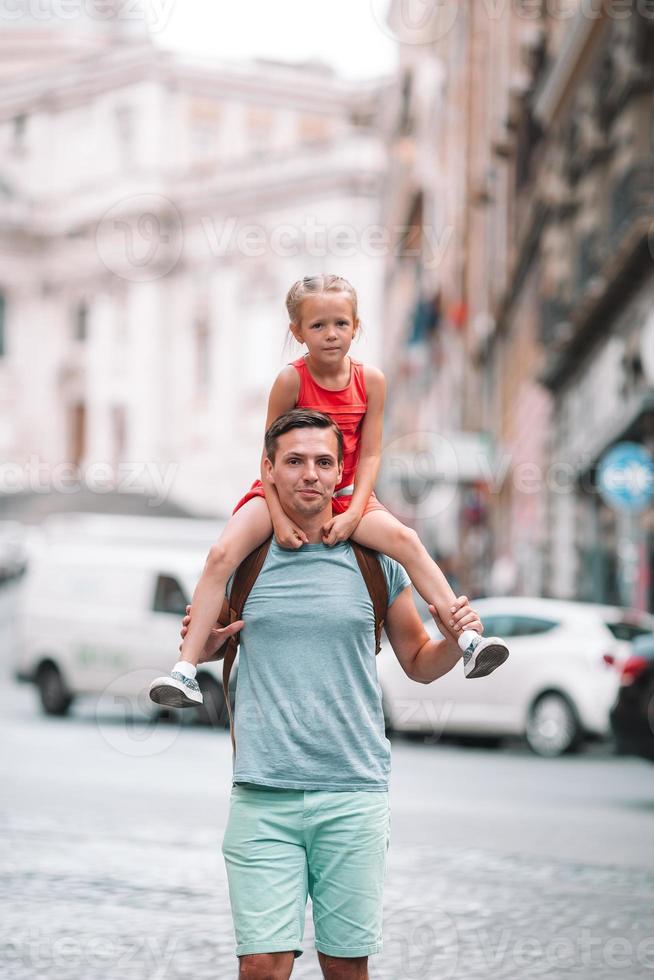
point(524, 136)
point(591, 170)
point(449, 128)
point(153, 213)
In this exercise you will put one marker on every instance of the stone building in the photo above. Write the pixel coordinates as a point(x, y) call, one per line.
point(153, 212)
point(593, 108)
point(534, 158)
point(448, 193)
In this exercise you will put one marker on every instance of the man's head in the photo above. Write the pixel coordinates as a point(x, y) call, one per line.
point(304, 460)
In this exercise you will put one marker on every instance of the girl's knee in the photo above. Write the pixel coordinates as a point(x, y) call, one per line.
point(407, 542)
point(221, 558)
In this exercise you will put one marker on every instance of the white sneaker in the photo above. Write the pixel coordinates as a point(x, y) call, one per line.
point(483, 655)
point(176, 690)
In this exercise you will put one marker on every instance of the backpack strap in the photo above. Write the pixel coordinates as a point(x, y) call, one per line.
point(244, 578)
point(375, 580)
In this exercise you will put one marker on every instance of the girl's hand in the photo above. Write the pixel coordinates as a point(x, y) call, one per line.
point(339, 528)
point(288, 534)
point(216, 639)
point(462, 617)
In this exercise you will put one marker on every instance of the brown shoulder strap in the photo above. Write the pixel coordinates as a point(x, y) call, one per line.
point(244, 578)
point(375, 580)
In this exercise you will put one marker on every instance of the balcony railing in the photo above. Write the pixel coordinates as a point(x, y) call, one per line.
point(590, 255)
point(554, 322)
point(632, 199)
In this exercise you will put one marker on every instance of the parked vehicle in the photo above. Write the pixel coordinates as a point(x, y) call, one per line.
point(632, 716)
point(556, 689)
point(95, 617)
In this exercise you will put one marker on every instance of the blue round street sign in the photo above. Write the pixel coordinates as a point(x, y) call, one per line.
point(625, 477)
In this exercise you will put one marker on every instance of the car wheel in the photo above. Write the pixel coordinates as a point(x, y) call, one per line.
point(212, 711)
point(55, 697)
point(552, 727)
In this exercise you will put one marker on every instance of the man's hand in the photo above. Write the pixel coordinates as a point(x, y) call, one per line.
point(217, 637)
point(288, 534)
point(340, 528)
point(463, 616)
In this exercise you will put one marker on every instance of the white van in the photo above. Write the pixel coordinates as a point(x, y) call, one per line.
point(100, 617)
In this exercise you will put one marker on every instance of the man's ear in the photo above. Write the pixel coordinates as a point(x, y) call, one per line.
point(268, 468)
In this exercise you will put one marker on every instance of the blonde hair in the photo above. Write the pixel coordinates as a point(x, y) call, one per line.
point(318, 284)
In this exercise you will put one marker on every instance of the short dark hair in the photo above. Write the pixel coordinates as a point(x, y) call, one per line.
point(300, 418)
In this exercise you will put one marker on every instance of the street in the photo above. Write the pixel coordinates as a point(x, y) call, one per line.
point(501, 864)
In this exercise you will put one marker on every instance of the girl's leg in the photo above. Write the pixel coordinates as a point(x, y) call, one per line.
point(381, 531)
point(245, 530)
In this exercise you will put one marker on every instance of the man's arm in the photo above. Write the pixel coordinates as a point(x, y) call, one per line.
point(421, 658)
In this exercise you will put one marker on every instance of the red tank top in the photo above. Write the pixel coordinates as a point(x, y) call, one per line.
point(346, 407)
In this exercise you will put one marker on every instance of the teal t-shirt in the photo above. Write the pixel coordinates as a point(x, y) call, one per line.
point(308, 711)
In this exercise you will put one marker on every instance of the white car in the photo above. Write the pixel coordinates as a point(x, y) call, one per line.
point(556, 688)
point(100, 616)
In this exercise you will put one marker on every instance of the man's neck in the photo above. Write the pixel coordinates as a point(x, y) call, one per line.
point(312, 525)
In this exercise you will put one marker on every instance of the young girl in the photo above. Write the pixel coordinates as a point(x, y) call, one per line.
point(323, 314)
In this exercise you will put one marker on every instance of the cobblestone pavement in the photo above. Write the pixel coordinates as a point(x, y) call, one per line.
point(500, 865)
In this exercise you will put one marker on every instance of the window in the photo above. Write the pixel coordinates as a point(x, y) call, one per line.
point(405, 121)
point(19, 133)
point(627, 631)
point(119, 433)
point(314, 129)
point(77, 432)
point(204, 123)
point(532, 625)
point(499, 625)
point(506, 625)
point(260, 123)
point(202, 353)
point(81, 321)
point(3, 338)
point(169, 597)
point(124, 115)
point(410, 243)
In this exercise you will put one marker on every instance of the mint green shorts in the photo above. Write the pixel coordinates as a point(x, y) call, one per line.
point(281, 845)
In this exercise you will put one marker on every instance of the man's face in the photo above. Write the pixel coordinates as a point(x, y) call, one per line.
point(306, 470)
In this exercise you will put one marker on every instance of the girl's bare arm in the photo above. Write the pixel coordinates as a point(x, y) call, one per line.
point(371, 440)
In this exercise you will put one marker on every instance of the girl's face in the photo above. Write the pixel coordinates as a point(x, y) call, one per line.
point(326, 326)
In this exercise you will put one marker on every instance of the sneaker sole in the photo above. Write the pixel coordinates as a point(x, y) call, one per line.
point(172, 697)
point(490, 658)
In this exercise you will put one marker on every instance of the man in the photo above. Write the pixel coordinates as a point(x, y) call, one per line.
point(309, 811)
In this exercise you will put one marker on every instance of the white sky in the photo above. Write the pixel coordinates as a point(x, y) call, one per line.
point(344, 33)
